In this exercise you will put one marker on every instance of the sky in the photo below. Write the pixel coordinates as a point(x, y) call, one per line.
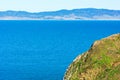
point(53, 5)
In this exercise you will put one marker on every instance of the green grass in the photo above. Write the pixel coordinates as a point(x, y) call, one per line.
point(101, 62)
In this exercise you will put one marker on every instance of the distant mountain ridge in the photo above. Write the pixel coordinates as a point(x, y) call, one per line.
point(75, 14)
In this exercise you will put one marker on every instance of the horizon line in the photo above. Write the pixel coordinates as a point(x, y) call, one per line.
point(57, 10)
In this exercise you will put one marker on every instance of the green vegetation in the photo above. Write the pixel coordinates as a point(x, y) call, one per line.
point(101, 62)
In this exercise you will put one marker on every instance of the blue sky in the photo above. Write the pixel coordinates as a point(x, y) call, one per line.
point(52, 5)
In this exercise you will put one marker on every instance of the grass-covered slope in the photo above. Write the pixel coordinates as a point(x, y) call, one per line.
point(100, 62)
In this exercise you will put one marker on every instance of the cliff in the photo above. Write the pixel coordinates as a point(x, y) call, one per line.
point(100, 62)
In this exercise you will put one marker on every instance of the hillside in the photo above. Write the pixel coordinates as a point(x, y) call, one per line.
point(100, 62)
point(75, 14)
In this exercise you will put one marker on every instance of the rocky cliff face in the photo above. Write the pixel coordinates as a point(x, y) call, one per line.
point(100, 62)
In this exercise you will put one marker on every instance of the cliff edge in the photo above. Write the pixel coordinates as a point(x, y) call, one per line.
point(100, 62)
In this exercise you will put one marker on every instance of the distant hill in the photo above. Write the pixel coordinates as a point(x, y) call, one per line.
point(75, 14)
point(100, 62)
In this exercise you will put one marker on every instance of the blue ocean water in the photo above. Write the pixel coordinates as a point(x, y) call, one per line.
point(42, 50)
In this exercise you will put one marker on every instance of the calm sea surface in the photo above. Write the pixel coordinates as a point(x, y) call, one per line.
point(42, 50)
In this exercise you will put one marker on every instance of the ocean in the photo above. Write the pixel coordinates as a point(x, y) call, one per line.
point(42, 50)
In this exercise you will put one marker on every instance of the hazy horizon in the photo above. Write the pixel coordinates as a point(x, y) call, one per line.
point(57, 10)
point(54, 5)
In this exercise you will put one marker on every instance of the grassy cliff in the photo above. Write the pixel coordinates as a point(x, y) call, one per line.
point(100, 62)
